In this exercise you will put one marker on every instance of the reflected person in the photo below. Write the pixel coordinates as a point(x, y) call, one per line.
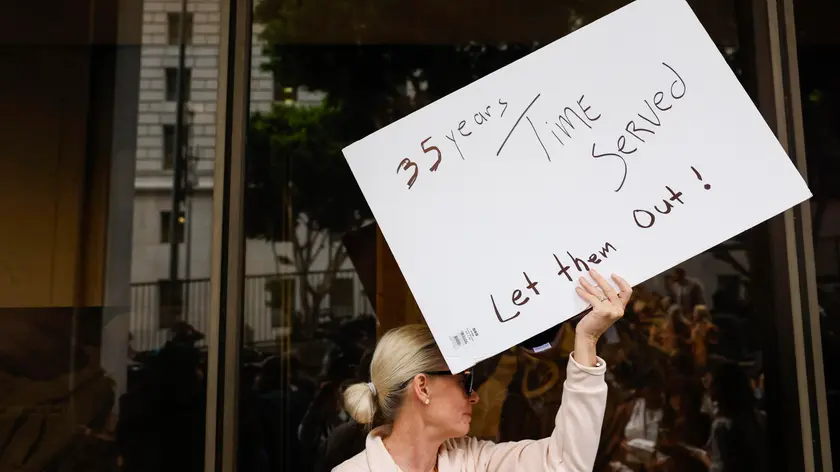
point(424, 411)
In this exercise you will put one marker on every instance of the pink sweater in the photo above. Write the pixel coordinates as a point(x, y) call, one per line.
point(572, 446)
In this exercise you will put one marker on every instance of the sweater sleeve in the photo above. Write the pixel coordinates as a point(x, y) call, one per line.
point(572, 446)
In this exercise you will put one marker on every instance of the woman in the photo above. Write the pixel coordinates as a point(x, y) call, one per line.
point(686, 427)
point(426, 410)
point(737, 440)
point(702, 334)
point(643, 426)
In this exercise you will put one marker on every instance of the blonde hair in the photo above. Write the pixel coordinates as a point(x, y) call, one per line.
point(401, 354)
point(702, 312)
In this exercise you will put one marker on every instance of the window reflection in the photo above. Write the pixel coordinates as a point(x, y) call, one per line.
point(820, 93)
point(685, 373)
point(687, 388)
point(102, 351)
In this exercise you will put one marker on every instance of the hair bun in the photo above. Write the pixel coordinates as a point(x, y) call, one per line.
point(400, 354)
point(360, 402)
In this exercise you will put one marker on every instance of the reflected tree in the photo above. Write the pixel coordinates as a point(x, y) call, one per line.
point(382, 59)
point(822, 147)
point(299, 190)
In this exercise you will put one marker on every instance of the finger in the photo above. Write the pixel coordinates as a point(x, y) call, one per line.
point(591, 289)
point(605, 286)
point(625, 290)
point(592, 299)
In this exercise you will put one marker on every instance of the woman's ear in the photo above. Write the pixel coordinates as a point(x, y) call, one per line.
point(420, 387)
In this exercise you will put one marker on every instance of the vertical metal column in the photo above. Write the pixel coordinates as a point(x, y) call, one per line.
point(180, 163)
point(798, 419)
point(813, 377)
point(228, 248)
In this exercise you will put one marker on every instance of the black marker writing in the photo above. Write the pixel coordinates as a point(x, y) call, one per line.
point(451, 137)
point(565, 123)
point(505, 105)
point(522, 295)
point(700, 178)
point(466, 128)
point(517, 123)
point(650, 120)
point(538, 138)
point(516, 299)
point(570, 122)
point(620, 157)
point(582, 265)
point(646, 218)
point(564, 118)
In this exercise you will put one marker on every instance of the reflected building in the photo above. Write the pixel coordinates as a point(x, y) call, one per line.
point(86, 172)
point(156, 141)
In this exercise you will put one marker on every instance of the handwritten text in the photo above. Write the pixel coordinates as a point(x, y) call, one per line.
point(570, 121)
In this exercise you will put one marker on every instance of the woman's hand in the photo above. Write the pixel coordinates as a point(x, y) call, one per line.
point(607, 305)
point(607, 308)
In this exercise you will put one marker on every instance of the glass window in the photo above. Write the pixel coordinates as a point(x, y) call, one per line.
point(173, 30)
point(820, 93)
point(163, 424)
point(102, 320)
point(169, 146)
point(166, 227)
point(284, 93)
point(168, 149)
point(172, 84)
point(685, 364)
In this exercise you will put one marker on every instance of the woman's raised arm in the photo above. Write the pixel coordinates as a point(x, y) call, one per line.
point(573, 445)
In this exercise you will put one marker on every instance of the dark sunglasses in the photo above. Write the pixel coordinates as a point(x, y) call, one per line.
point(466, 379)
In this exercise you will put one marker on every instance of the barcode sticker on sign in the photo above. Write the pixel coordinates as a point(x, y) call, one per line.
point(464, 337)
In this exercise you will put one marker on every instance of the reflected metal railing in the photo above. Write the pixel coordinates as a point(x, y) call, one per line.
point(271, 303)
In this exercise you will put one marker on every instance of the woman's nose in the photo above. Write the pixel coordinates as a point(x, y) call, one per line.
point(474, 397)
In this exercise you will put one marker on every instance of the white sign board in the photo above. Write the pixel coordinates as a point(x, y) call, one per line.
point(627, 146)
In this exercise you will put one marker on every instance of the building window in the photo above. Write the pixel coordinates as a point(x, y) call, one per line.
point(169, 145)
point(282, 300)
point(165, 230)
point(174, 31)
point(728, 292)
point(172, 84)
point(342, 294)
point(170, 302)
point(285, 94)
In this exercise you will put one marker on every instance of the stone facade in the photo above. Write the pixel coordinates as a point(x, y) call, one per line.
point(157, 98)
point(156, 125)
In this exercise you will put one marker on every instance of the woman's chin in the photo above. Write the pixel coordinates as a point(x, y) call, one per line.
point(467, 420)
